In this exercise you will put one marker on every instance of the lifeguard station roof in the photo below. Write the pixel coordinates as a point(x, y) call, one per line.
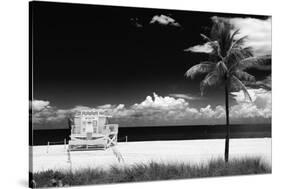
point(92, 113)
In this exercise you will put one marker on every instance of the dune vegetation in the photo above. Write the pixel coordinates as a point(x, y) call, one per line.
point(149, 172)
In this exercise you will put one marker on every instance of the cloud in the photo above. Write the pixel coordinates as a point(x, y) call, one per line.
point(208, 112)
point(265, 83)
point(205, 48)
point(257, 30)
point(167, 110)
point(258, 34)
point(164, 20)
point(155, 110)
point(106, 106)
point(161, 102)
point(38, 105)
point(259, 107)
point(43, 112)
point(185, 96)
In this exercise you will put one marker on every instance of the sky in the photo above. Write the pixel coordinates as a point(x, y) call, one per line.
point(131, 63)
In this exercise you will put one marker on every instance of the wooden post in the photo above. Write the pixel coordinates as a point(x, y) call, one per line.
point(98, 120)
point(126, 138)
point(64, 141)
point(48, 147)
point(69, 160)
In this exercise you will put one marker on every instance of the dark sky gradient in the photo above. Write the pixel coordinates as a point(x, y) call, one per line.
point(94, 55)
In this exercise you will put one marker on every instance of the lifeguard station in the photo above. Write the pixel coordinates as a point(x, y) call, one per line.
point(90, 130)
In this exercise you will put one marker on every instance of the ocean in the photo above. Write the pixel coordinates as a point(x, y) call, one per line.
point(156, 133)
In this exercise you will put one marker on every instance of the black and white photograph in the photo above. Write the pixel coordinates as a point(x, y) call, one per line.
point(127, 94)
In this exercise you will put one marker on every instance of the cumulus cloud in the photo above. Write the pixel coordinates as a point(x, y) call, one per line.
point(258, 32)
point(216, 113)
point(167, 110)
point(41, 108)
point(205, 48)
point(164, 20)
point(38, 105)
point(43, 112)
point(161, 102)
point(259, 107)
point(156, 110)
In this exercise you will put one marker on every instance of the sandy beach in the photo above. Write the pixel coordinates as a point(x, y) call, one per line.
point(187, 151)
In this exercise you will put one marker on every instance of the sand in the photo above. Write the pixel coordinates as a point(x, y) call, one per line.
point(187, 151)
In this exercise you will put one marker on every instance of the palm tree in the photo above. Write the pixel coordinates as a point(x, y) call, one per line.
point(227, 64)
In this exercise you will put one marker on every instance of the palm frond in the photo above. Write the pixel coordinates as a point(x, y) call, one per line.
point(241, 53)
point(259, 62)
point(211, 79)
point(221, 68)
point(225, 39)
point(239, 42)
point(216, 49)
point(236, 55)
point(203, 67)
point(205, 37)
point(231, 41)
point(244, 76)
point(233, 35)
point(235, 82)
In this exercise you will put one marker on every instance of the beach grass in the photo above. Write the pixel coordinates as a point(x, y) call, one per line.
point(150, 172)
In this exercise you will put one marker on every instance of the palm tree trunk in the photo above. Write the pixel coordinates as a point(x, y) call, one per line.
point(226, 152)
